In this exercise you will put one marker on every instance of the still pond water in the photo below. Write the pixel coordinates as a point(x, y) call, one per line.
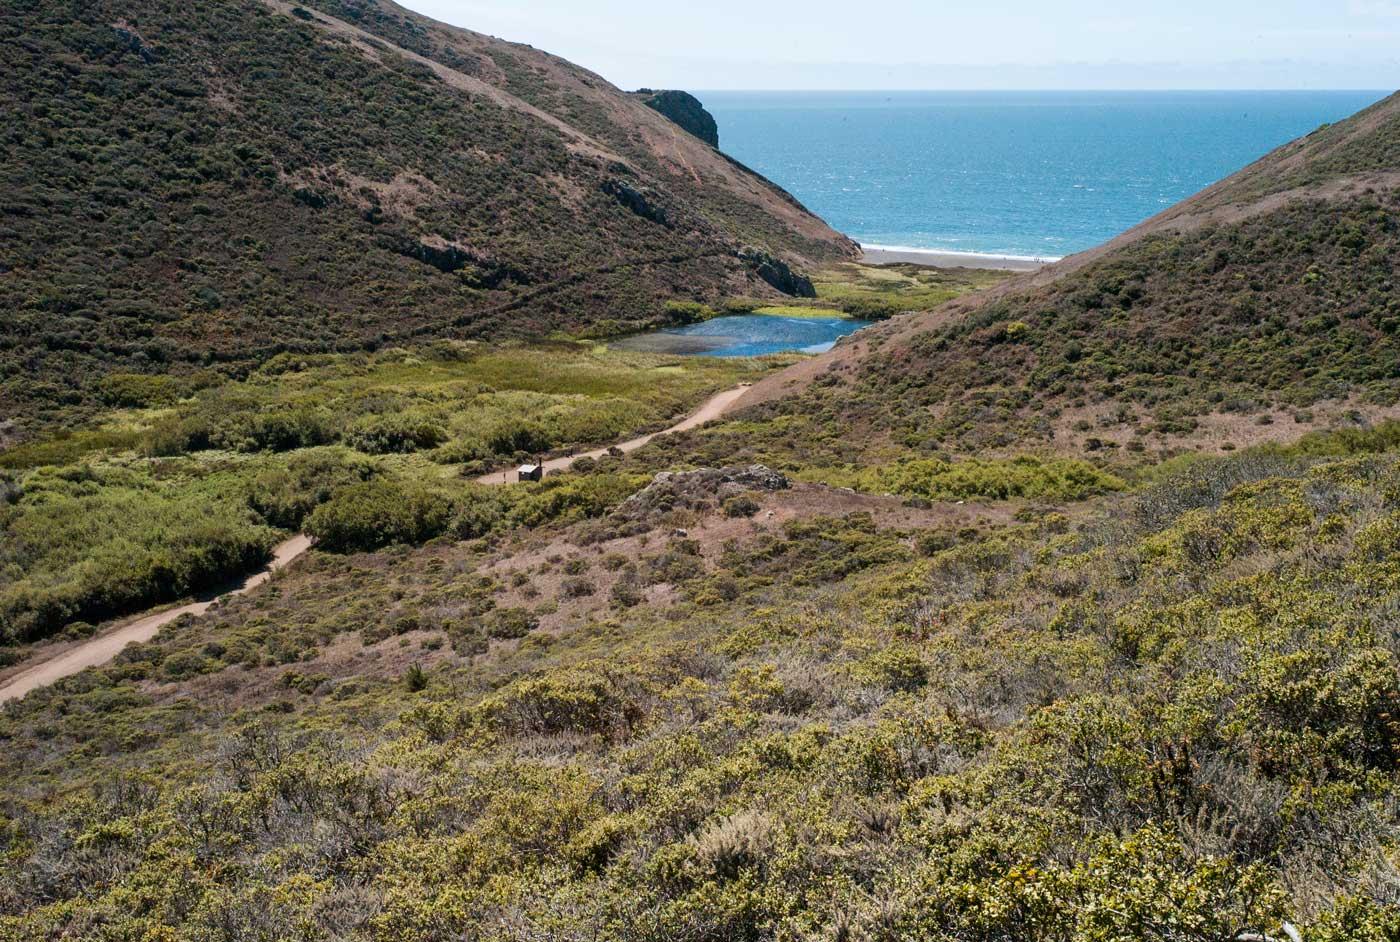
point(746, 335)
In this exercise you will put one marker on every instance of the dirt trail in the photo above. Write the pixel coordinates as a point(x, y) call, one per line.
point(714, 407)
point(104, 647)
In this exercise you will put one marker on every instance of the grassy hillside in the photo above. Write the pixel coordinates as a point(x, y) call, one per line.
point(196, 186)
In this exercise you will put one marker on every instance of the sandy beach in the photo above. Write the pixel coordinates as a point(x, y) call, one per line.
point(882, 256)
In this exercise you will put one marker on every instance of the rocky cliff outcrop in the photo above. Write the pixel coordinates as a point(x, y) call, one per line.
point(684, 109)
point(778, 273)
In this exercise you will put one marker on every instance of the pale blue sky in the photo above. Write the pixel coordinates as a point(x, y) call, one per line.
point(906, 44)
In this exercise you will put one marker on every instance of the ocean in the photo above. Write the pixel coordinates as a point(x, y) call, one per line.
point(1025, 174)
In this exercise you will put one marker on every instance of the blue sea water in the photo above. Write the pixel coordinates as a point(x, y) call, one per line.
point(1035, 174)
point(747, 335)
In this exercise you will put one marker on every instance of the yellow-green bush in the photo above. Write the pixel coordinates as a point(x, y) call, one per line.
point(1026, 476)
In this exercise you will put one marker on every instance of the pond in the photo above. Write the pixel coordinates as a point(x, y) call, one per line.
point(746, 335)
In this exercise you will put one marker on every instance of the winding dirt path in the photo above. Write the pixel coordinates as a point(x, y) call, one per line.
point(714, 407)
point(104, 647)
point(101, 649)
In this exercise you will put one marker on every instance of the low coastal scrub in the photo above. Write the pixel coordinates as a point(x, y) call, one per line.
point(1178, 709)
point(1026, 477)
point(1278, 312)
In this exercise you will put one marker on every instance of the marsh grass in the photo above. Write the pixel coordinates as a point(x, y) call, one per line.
point(795, 310)
point(875, 292)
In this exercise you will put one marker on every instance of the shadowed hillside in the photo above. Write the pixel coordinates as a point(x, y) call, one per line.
point(187, 185)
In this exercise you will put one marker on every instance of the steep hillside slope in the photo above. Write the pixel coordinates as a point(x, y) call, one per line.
point(190, 184)
point(1270, 296)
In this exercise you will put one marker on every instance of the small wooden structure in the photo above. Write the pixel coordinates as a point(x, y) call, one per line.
point(530, 472)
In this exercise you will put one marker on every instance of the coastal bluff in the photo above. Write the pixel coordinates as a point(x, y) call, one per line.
point(683, 109)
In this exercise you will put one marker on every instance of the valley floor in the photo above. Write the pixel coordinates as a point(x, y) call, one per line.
point(52, 666)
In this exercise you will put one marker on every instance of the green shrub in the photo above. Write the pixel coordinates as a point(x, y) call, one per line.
point(933, 542)
point(678, 313)
point(871, 309)
point(138, 390)
point(1355, 918)
point(478, 512)
point(11, 490)
point(278, 430)
point(378, 513)
point(576, 588)
point(897, 668)
point(523, 436)
point(284, 496)
point(415, 678)
point(625, 593)
point(740, 505)
point(574, 497)
point(394, 434)
point(1380, 438)
point(1203, 482)
point(587, 700)
point(470, 451)
point(510, 623)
